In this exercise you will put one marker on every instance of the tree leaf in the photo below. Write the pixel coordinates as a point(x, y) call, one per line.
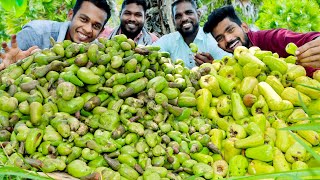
point(294, 15)
point(304, 107)
point(293, 174)
point(20, 9)
point(7, 5)
point(309, 126)
point(14, 171)
point(20, 2)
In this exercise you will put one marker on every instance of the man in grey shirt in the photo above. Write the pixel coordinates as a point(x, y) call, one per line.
point(87, 20)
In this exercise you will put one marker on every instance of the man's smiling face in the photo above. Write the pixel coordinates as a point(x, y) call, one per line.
point(186, 18)
point(132, 19)
point(230, 35)
point(87, 23)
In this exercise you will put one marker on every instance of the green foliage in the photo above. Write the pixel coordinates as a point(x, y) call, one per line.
point(207, 6)
point(246, 11)
point(18, 7)
point(13, 18)
point(3, 35)
point(296, 15)
point(7, 172)
point(311, 173)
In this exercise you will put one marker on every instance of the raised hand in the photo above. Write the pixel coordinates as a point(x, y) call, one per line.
point(14, 53)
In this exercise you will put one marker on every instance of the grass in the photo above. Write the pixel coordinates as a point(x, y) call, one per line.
point(289, 175)
point(14, 173)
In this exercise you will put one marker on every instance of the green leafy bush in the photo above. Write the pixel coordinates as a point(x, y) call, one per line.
point(296, 15)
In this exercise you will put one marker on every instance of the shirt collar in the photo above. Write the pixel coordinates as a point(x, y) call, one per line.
point(63, 31)
point(200, 35)
point(136, 38)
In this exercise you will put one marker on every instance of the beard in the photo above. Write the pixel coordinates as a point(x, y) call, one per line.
point(244, 43)
point(246, 40)
point(130, 34)
point(184, 33)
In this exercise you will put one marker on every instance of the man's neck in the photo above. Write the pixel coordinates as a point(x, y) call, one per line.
point(189, 39)
point(250, 43)
point(68, 37)
point(131, 36)
point(128, 34)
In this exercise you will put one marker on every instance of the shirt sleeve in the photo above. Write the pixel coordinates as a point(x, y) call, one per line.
point(27, 38)
point(277, 39)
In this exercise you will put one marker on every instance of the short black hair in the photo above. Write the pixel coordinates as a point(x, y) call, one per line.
point(219, 15)
point(102, 4)
point(142, 3)
point(176, 2)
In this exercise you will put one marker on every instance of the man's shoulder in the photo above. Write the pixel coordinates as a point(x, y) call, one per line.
point(175, 34)
point(168, 41)
point(42, 25)
point(268, 31)
point(36, 23)
point(204, 37)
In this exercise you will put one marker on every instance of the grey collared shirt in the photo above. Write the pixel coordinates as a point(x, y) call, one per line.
point(38, 33)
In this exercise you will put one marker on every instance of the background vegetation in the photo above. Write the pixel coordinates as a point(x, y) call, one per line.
point(296, 15)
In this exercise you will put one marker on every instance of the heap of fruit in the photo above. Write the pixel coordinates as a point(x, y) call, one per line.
point(112, 110)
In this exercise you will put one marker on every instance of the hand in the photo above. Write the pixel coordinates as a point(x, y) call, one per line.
point(201, 58)
point(309, 54)
point(14, 53)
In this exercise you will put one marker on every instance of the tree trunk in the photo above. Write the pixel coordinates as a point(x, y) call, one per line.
point(167, 10)
point(159, 18)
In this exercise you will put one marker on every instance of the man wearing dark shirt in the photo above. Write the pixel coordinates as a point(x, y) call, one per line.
point(228, 30)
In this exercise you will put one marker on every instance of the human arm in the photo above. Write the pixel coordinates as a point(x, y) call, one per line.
point(309, 54)
point(276, 40)
point(14, 53)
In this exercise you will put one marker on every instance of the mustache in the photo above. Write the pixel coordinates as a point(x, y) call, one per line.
point(131, 22)
point(233, 41)
point(187, 21)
